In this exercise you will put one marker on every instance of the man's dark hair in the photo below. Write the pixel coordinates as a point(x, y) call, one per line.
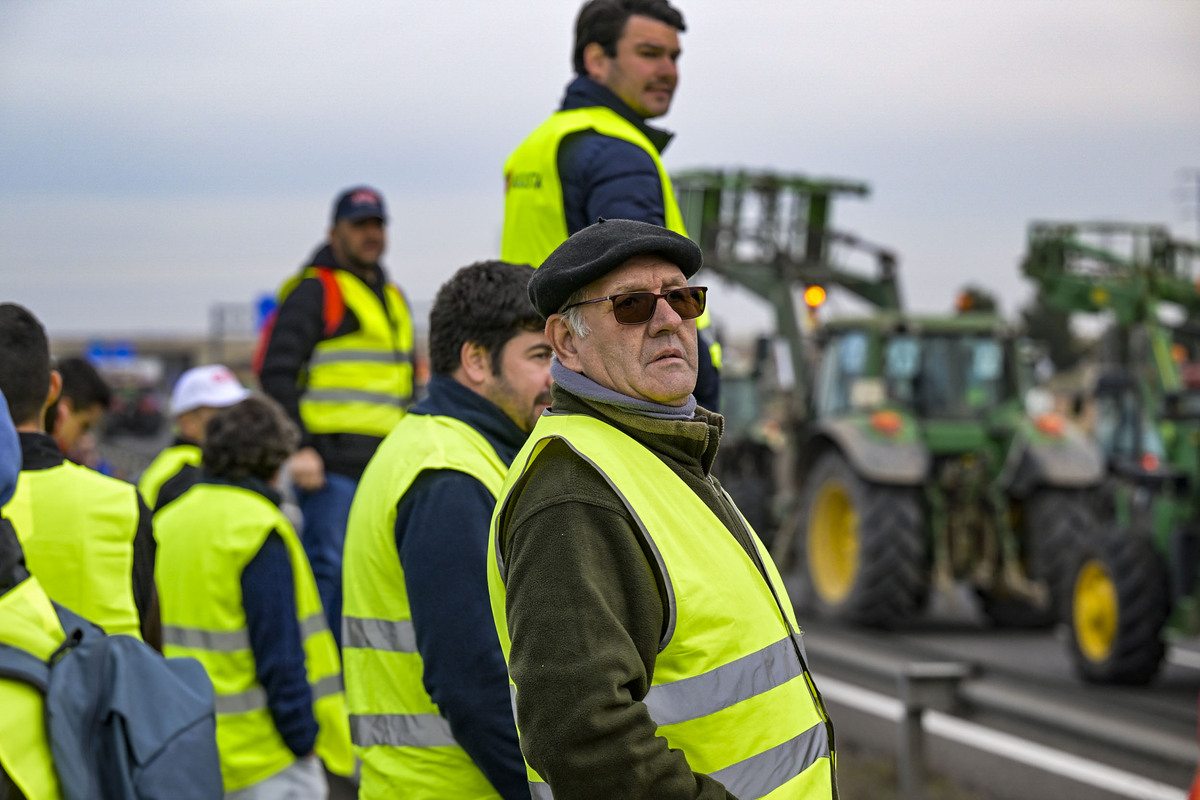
point(82, 385)
point(486, 303)
point(249, 439)
point(603, 22)
point(24, 362)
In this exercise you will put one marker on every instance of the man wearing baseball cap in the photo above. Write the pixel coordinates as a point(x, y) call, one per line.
point(339, 359)
point(652, 648)
point(198, 394)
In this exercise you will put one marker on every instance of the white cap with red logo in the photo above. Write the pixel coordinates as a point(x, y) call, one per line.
point(214, 386)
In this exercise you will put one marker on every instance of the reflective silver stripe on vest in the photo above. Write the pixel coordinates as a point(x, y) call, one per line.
point(401, 730)
point(329, 685)
point(762, 774)
point(313, 624)
point(252, 699)
point(729, 684)
point(394, 636)
point(360, 356)
point(230, 641)
point(255, 697)
point(350, 396)
point(199, 639)
point(540, 791)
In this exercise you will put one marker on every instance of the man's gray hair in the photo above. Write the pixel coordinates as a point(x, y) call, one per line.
point(574, 316)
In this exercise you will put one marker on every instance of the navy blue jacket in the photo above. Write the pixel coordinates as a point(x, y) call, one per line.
point(607, 177)
point(442, 524)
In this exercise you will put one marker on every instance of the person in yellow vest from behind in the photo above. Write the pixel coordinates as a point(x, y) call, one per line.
point(425, 679)
point(199, 393)
point(239, 596)
point(27, 622)
point(597, 156)
point(652, 646)
point(88, 538)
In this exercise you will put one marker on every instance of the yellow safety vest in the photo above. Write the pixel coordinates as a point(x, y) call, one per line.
point(28, 622)
point(205, 540)
point(77, 528)
point(406, 745)
point(164, 467)
point(363, 381)
point(535, 219)
point(730, 688)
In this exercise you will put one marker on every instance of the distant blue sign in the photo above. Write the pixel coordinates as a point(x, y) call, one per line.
point(262, 309)
point(101, 352)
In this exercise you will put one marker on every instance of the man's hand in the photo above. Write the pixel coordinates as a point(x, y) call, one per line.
point(308, 470)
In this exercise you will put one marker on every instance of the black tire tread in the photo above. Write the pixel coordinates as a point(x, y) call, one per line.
point(1141, 582)
point(893, 576)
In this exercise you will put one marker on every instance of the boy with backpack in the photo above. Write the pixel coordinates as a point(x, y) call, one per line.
point(87, 715)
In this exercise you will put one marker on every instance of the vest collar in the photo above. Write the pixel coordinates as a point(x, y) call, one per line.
point(583, 92)
point(449, 398)
point(692, 443)
point(249, 483)
point(323, 257)
point(39, 451)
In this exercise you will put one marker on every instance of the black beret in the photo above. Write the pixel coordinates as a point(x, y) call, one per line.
point(597, 250)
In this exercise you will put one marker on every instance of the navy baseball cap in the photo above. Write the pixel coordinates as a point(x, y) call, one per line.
point(358, 203)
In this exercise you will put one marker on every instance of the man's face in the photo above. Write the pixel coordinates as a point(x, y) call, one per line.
point(73, 424)
point(358, 244)
point(644, 71)
point(522, 389)
point(191, 423)
point(655, 360)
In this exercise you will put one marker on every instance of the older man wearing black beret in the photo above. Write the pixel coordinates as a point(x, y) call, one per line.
point(652, 648)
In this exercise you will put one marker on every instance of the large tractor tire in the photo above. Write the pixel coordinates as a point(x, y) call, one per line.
point(1118, 605)
point(1056, 523)
point(864, 546)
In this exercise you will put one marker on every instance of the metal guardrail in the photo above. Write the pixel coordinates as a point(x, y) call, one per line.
point(959, 688)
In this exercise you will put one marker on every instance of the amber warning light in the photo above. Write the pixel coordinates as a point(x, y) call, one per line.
point(814, 296)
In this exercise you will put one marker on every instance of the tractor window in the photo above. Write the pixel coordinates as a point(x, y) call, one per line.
point(902, 359)
point(1118, 422)
point(961, 376)
point(845, 360)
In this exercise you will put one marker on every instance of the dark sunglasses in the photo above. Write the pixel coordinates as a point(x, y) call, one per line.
point(634, 308)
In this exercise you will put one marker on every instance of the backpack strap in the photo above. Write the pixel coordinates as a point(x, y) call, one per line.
point(334, 308)
point(16, 664)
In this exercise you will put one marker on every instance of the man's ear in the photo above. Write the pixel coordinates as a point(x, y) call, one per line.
point(52, 393)
point(476, 361)
point(596, 61)
point(563, 342)
point(55, 389)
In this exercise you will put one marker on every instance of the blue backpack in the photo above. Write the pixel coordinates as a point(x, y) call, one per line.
point(123, 722)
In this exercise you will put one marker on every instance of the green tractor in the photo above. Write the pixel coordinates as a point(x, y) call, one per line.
point(1137, 585)
point(909, 460)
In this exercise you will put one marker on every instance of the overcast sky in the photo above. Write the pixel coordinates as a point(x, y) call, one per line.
point(156, 158)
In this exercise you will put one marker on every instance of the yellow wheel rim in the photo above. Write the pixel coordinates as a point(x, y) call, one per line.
point(833, 542)
point(1095, 611)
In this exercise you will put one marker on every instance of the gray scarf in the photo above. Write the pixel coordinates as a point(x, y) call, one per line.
point(581, 385)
